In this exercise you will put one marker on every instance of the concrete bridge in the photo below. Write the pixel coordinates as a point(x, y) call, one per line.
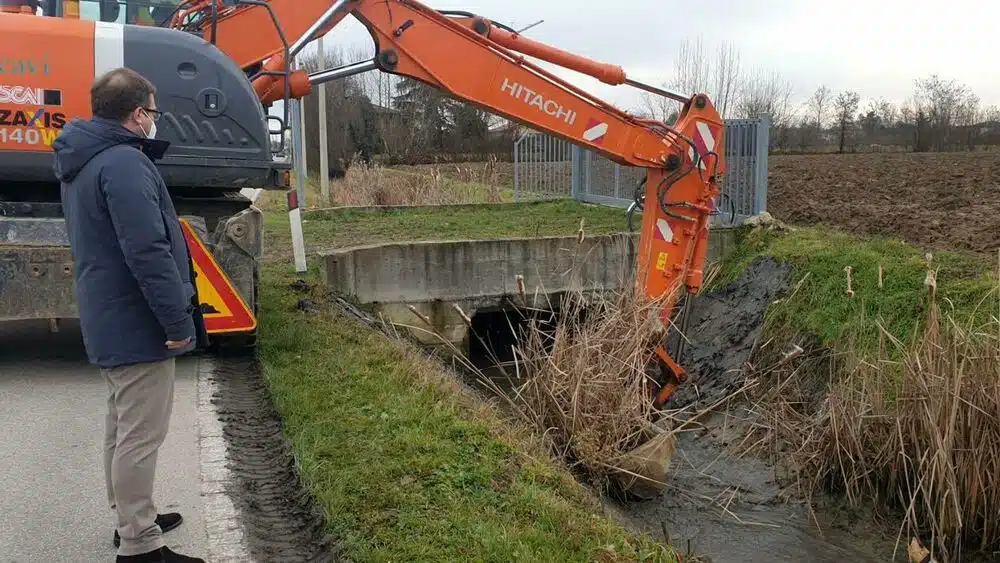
point(448, 282)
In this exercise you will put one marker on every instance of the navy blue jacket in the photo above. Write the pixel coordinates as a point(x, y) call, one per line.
point(133, 277)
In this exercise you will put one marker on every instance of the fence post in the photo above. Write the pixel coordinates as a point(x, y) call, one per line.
point(576, 177)
point(761, 166)
point(517, 172)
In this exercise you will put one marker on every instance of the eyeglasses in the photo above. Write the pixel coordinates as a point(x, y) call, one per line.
point(154, 114)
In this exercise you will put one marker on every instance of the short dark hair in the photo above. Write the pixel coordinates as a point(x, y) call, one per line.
point(116, 93)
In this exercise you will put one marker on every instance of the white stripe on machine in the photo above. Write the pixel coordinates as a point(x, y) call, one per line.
point(109, 47)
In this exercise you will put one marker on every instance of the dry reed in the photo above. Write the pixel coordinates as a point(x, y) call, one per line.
point(916, 428)
point(377, 185)
point(587, 386)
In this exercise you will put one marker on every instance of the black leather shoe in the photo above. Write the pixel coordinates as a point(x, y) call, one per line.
point(167, 522)
point(162, 555)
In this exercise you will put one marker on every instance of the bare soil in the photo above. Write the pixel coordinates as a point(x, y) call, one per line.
point(932, 200)
point(724, 329)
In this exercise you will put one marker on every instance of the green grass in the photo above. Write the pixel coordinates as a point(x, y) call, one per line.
point(821, 304)
point(406, 465)
point(326, 230)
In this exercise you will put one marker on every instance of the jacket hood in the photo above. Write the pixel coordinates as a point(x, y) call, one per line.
point(80, 141)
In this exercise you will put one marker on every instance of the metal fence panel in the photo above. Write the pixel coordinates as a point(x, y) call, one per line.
point(553, 167)
point(542, 167)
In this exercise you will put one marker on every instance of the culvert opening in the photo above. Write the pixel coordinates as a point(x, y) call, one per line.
point(497, 331)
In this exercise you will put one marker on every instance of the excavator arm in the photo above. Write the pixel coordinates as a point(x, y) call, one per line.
point(484, 64)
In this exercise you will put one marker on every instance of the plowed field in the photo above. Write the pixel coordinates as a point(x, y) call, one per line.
point(935, 201)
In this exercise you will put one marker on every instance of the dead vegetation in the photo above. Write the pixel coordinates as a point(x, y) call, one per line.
point(377, 185)
point(914, 428)
point(586, 385)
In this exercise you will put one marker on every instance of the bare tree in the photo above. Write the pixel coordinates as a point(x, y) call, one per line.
point(344, 114)
point(694, 71)
point(765, 92)
point(727, 74)
point(943, 102)
point(817, 110)
point(846, 105)
point(819, 105)
point(691, 67)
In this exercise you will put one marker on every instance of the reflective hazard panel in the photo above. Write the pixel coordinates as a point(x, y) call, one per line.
point(222, 307)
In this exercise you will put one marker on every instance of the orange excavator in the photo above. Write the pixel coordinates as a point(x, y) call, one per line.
point(219, 65)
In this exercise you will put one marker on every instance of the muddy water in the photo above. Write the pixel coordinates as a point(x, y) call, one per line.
point(734, 510)
point(728, 508)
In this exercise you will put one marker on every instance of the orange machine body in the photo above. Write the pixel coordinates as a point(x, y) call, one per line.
point(47, 82)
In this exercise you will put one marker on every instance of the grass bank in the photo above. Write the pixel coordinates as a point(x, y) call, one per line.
point(333, 229)
point(407, 463)
point(887, 284)
point(892, 401)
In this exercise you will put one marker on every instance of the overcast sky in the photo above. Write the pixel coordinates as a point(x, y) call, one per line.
point(876, 47)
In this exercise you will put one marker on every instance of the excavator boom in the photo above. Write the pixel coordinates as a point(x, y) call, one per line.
point(471, 58)
point(484, 64)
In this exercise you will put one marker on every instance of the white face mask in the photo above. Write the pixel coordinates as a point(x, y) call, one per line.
point(152, 127)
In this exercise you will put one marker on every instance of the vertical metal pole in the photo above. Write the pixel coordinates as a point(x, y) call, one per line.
point(517, 172)
point(618, 181)
point(298, 149)
point(324, 164)
point(576, 176)
point(763, 144)
point(302, 132)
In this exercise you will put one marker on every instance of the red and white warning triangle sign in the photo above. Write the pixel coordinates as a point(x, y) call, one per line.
point(222, 307)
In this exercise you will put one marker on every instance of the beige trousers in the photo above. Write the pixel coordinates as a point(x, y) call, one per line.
point(140, 401)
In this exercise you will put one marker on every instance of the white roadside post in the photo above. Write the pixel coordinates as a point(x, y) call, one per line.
point(324, 164)
point(296, 197)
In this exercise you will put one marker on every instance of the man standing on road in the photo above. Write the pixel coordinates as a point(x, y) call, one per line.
point(134, 293)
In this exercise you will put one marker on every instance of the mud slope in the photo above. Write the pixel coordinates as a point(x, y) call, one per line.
point(724, 327)
point(730, 509)
point(282, 521)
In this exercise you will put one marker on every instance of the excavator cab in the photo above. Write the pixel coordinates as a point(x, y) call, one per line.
point(137, 12)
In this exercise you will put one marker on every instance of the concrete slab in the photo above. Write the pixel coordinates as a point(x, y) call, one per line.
point(52, 500)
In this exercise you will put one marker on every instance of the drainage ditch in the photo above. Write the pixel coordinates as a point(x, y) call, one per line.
point(718, 505)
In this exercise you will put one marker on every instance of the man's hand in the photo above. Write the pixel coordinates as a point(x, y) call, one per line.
point(173, 344)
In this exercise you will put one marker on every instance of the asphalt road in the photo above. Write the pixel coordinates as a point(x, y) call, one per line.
point(52, 499)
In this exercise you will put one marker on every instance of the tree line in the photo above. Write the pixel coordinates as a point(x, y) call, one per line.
point(941, 114)
point(396, 120)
